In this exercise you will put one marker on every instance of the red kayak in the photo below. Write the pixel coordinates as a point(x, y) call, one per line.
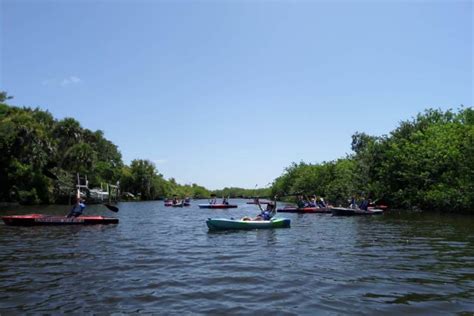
point(380, 207)
point(289, 209)
point(41, 220)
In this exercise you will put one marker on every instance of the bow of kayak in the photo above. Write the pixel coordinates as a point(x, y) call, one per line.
point(42, 220)
point(217, 206)
point(343, 211)
point(232, 224)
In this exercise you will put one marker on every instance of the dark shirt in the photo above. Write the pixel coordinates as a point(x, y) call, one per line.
point(77, 210)
point(266, 215)
point(364, 205)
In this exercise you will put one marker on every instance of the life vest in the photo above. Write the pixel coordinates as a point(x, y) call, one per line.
point(266, 215)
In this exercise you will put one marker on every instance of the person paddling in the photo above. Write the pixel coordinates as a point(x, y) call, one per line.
point(266, 214)
point(213, 199)
point(175, 200)
point(364, 205)
point(353, 202)
point(79, 207)
point(320, 202)
point(300, 202)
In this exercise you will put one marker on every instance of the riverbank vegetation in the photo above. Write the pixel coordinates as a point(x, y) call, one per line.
point(41, 157)
point(425, 163)
point(234, 192)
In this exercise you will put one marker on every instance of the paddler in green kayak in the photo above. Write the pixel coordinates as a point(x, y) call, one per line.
point(265, 215)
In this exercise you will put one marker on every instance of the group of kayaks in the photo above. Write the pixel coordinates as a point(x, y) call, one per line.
point(241, 224)
point(212, 223)
point(214, 205)
point(178, 203)
point(336, 211)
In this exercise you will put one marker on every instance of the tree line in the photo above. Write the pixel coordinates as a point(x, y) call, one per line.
point(426, 163)
point(234, 192)
point(41, 157)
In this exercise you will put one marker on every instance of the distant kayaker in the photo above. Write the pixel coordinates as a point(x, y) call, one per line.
point(300, 202)
point(320, 202)
point(78, 208)
point(213, 199)
point(312, 202)
point(353, 203)
point(364, 205)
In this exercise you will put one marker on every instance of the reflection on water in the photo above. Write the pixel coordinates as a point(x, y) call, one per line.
point(163, 260)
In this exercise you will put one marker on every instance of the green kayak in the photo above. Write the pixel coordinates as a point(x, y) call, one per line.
point(226, 224)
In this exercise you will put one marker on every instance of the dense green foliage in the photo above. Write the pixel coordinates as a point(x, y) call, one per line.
point(32, 141)
point(143, 180)
point(34, 145)
point(426, 163)
point(242, 193)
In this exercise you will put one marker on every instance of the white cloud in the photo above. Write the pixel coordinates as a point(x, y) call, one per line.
point(71, 80)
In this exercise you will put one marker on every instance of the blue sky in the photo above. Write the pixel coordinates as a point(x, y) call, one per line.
point(229, 93)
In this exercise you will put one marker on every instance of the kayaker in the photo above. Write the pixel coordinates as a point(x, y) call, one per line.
point(364, 204)
point(313, 202)
point(175, 200)
point(353, 203)
point(265, 215)
point(268, 213)
point(320, 202)
point(77, 209)
point(213, 199)
point(301, 203)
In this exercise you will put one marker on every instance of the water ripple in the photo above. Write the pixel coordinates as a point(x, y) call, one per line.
point(162, 260)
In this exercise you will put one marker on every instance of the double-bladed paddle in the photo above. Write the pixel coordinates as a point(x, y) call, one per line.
point(112, 208)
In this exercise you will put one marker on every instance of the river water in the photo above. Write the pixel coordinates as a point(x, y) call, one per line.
point(164, 261)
